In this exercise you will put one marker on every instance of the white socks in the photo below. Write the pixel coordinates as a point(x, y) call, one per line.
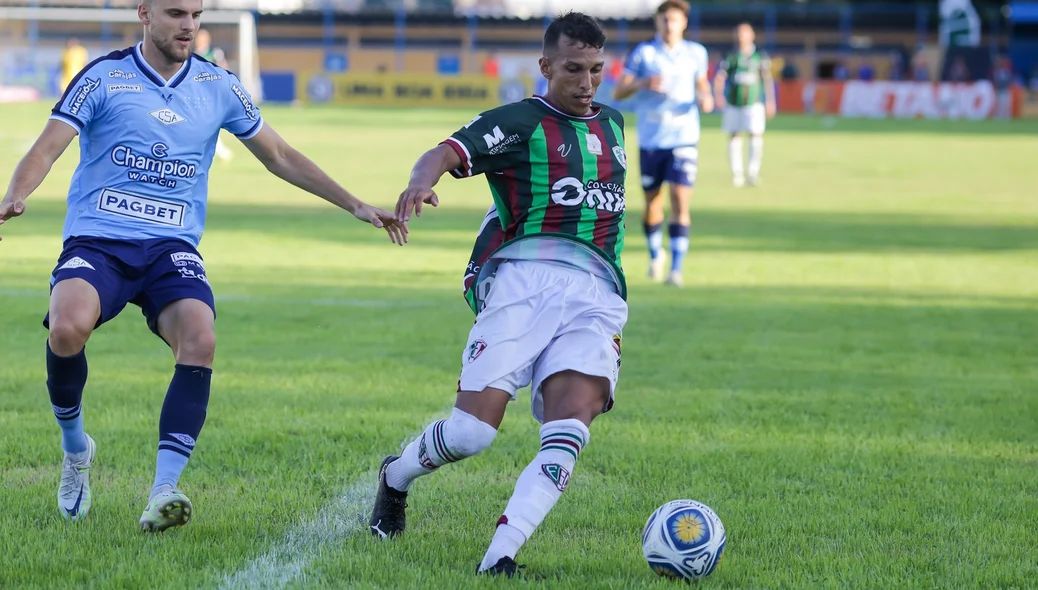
point(735, 158)
point(756, 155)
point(444, 441)
point(539, 487)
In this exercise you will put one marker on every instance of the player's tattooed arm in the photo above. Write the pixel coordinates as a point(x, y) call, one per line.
point(34, 167)
point(293, 167)
point(426, 173)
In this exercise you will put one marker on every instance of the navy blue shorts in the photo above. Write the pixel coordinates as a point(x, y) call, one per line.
point(151, 274)
point(677, 166)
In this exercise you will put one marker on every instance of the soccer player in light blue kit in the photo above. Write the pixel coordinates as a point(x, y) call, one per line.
point(148, 118)
point(667, 76)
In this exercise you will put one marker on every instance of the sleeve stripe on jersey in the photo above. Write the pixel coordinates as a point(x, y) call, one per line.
point(251, 132)
point(463, 153)
point(68, 120)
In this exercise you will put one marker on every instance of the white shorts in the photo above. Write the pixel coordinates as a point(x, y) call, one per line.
point(748, 119)
point(541, 319)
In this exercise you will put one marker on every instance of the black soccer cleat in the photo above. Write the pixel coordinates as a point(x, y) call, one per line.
point(388, 517)
point(506, 566)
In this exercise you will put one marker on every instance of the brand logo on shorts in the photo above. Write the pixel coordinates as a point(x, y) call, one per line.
point(76, 262)
point(621, 156)
point(187, 273)
point(185, 258)
point(476, 349)
point(557, 474)
point(142, 208)
point(617, 343)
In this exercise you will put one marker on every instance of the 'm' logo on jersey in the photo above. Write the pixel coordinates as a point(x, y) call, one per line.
point(607, 196)
point(88, 86)
point(250, 110)
point(497, 142)
point(167, 117)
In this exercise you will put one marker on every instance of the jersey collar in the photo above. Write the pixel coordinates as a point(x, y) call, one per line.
point(595, 111)
point(154, 76)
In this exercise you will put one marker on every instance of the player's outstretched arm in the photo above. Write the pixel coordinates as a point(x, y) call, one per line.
point(719, 82)
point(426, 173)
point(34, 167)
point(705, 93)
point(290, 165)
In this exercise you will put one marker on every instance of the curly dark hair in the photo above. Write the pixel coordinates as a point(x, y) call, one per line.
point(577, 26)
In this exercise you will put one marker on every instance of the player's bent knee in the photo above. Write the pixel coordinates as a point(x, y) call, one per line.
point(467, 435)
point(573, 395)
point(197, 348)
point(67, 335)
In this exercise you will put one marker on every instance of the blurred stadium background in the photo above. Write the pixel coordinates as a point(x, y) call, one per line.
point(850, 58)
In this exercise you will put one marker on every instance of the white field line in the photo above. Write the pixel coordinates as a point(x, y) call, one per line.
point(231, 298)
point(289, 559)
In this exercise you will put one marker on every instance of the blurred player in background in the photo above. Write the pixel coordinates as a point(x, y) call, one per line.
point(73, 60)
point(136, 211)
point(204, 48)
point(545, 281)
point(667, 76)
point(748, 73)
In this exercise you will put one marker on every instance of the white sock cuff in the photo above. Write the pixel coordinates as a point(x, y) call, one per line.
point(569, 435)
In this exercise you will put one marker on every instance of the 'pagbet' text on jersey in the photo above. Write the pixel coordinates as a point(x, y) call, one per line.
point(146, 146)
point(558, 187)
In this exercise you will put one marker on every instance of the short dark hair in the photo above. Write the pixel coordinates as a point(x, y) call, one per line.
point(674, 5)
point(577, 26)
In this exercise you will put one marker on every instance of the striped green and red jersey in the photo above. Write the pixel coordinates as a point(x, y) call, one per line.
point(558, 188)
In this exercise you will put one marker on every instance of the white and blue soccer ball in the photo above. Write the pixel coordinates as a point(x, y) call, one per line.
point(684, 540)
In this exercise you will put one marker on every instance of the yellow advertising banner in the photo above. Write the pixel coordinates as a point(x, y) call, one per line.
point(408, 90)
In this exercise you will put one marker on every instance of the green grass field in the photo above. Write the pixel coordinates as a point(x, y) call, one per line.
point(849, 377)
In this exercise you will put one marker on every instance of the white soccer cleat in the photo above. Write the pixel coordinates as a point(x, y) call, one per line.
point(738, 182)
point(74, 492)
point(753, 180)
point(656, 269)
point(166, 509)
point(675, 279)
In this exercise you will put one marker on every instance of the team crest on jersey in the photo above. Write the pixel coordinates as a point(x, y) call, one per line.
point(557, 474)
point(476, 349)
point(89, 85)
point(167, 117)
point(621, 156)
point(594, 144)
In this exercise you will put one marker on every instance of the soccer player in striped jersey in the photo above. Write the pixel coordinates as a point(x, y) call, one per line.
point(545, 282)
point(748, 73)
point(668, 79)
point(147, 118)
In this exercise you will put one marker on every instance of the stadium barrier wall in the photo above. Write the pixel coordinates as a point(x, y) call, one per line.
point(409, 90)
point(914, 100)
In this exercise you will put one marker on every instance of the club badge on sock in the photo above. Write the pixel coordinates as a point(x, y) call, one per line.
point(557, 474)
point(423, 455)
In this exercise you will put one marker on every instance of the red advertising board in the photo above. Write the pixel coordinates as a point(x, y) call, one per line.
point(915, 100)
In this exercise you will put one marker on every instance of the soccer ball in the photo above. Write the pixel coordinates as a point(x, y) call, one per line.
point(684, 540)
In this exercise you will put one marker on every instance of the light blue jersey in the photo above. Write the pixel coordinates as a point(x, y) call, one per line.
point(668, 119)
point(146, 145)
